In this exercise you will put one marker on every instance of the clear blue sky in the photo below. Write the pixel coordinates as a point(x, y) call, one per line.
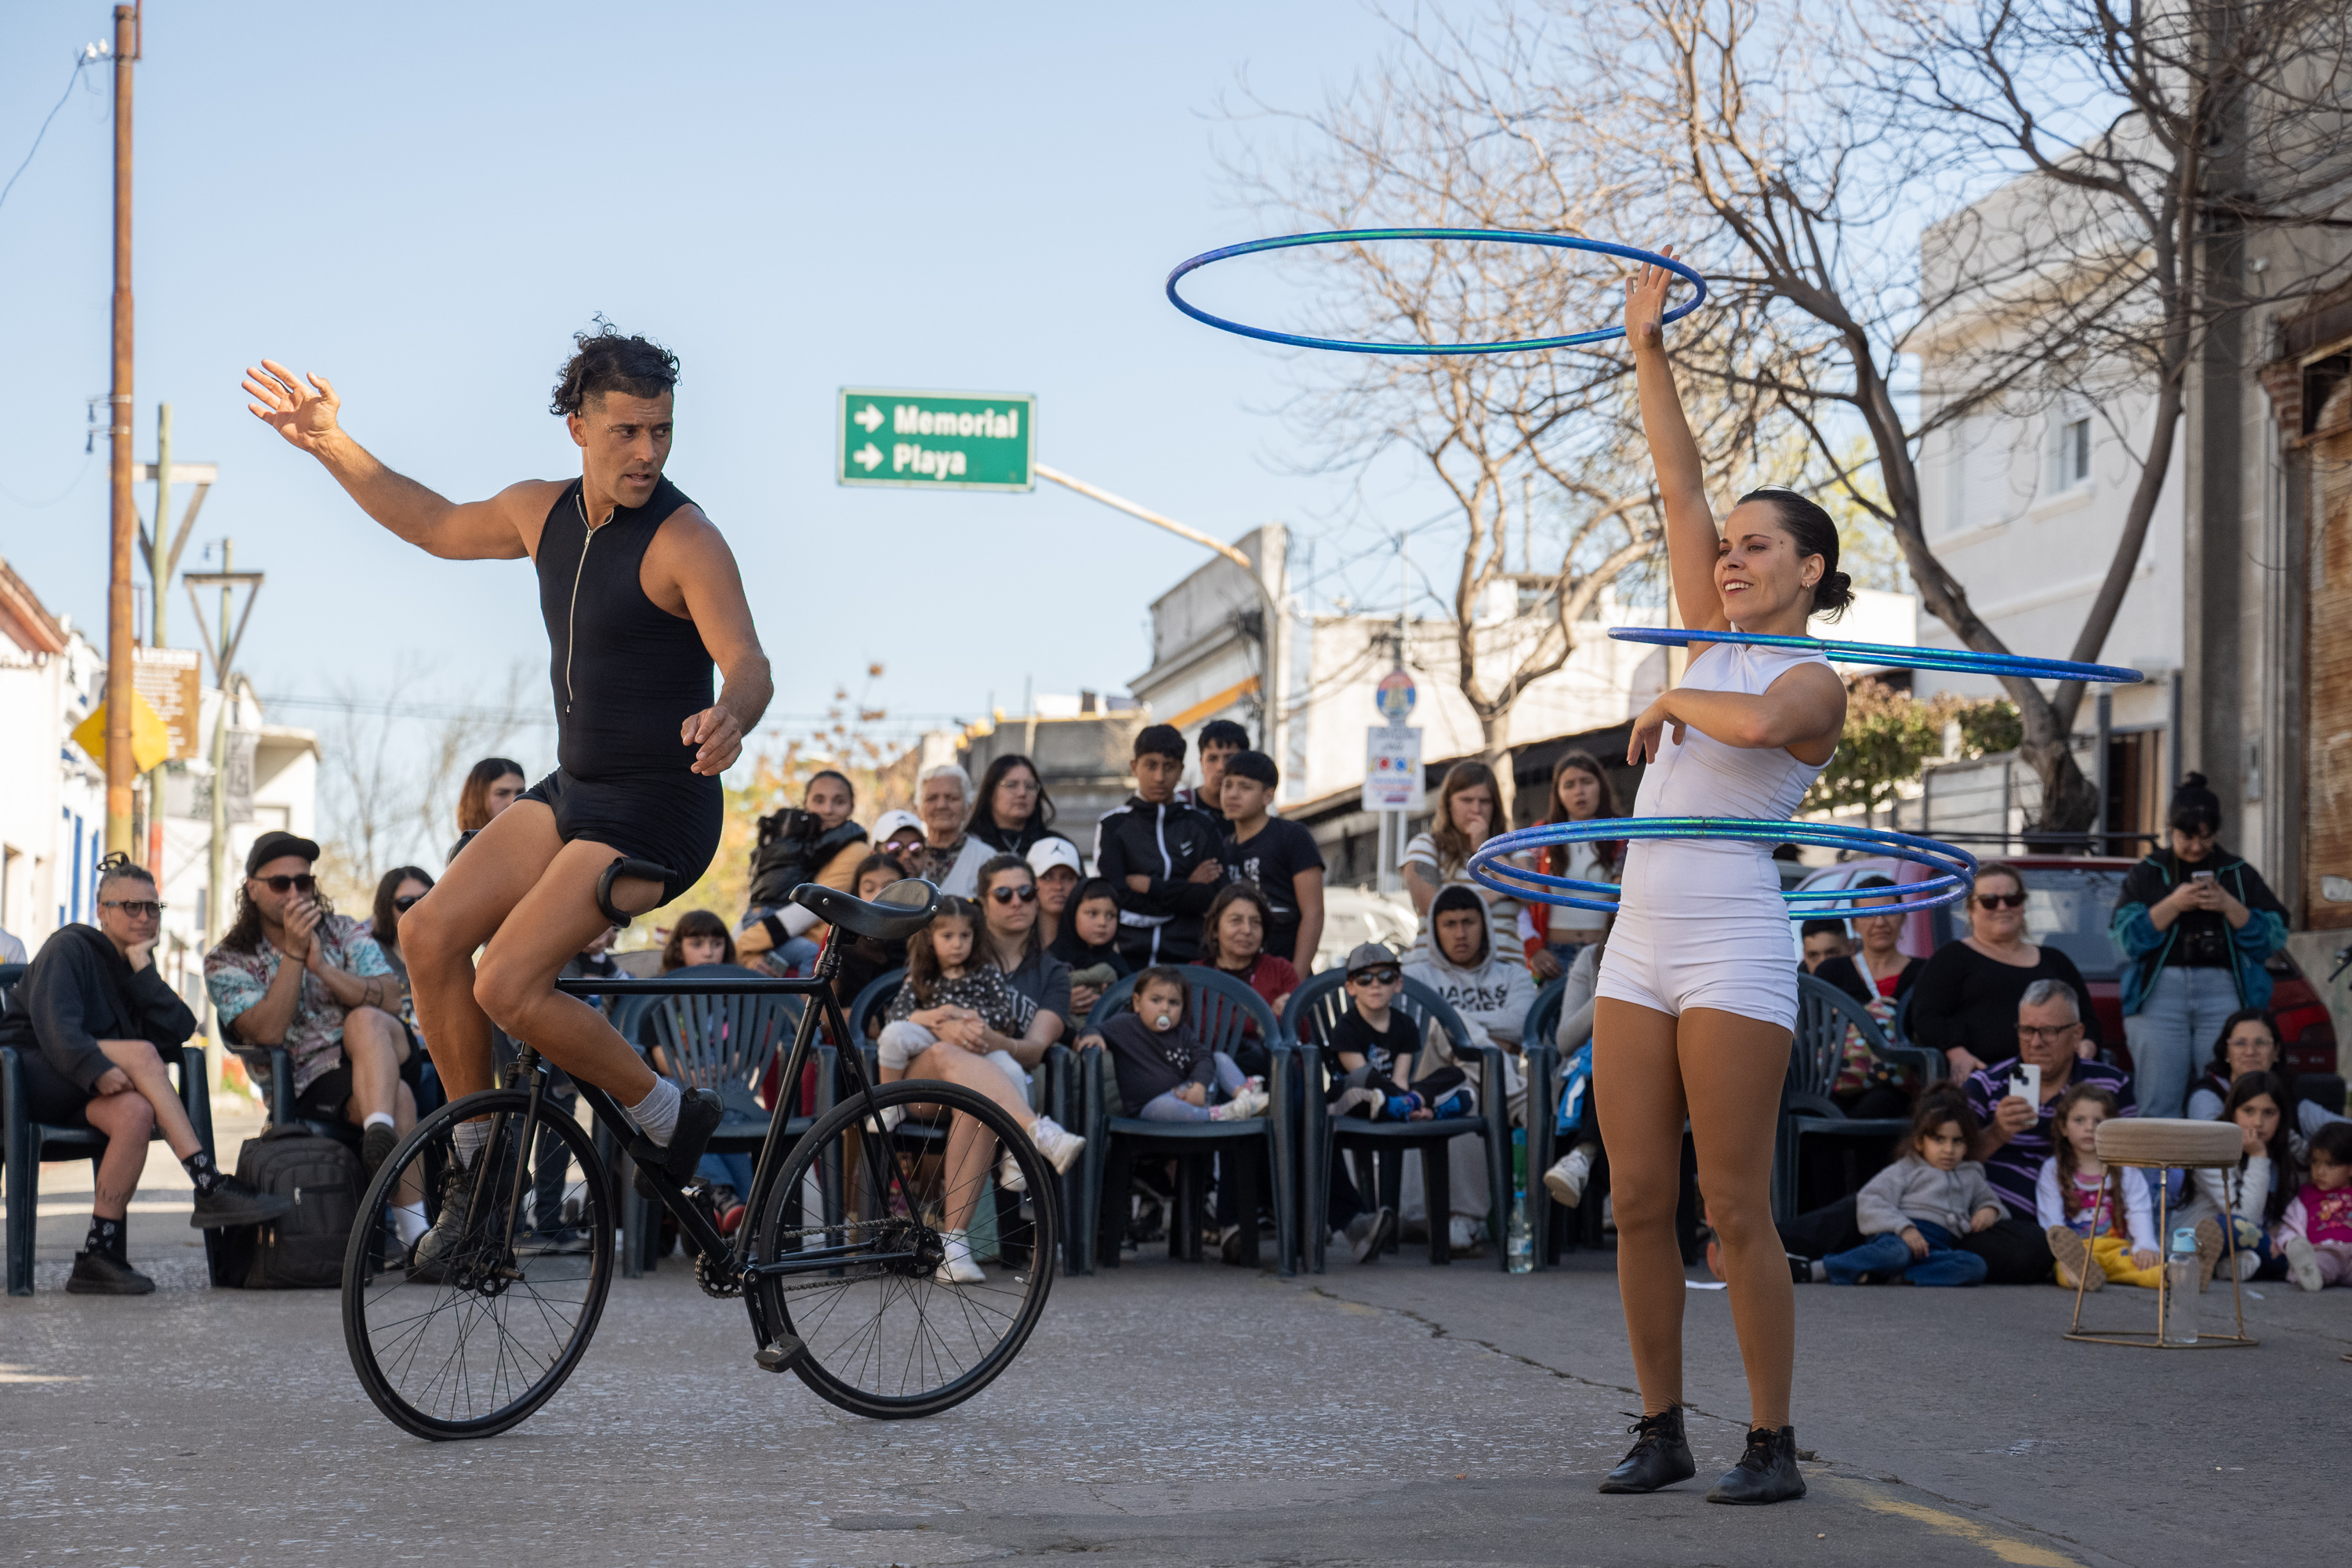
point(424, 202)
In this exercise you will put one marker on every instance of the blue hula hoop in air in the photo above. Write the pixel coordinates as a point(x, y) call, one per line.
point(1499, 235)
point(1491, 864)
point(1959, 660)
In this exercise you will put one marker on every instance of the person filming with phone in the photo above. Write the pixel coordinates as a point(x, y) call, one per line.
point(2197, 924)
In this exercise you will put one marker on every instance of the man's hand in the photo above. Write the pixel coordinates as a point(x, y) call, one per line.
point(302, 922)
point(303, 416)
point(1207, 871)
point(718, 734)
point(114, 1080)
point(2015, 1115)
point(1984, 1219)
point(1137, 882)
point(1915, 1241)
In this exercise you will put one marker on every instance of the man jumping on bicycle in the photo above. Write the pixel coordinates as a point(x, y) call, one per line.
point(640, 594)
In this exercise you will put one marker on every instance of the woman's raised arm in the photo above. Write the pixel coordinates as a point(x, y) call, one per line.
point(1692, 543)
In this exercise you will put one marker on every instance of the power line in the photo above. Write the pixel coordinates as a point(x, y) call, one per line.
point(90, 54)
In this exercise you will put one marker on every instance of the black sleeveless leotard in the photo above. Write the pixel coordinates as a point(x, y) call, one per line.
point(626, 674)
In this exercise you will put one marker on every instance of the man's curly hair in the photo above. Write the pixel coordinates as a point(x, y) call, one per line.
point(604, 361)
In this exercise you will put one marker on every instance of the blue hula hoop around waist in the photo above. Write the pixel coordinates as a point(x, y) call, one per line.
point(1956, 659)
point(1490, 864)
point(1499, 235)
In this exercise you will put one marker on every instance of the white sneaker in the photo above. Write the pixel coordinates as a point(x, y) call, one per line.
point(2248, 1265)
point(1354, 1099)
point(1242, 1107)
point(1057, 1143)
point(2303, 1264)
point(957, 1268)
point(1461, 1233)
point(1008, 1173)
point(1565, 1180)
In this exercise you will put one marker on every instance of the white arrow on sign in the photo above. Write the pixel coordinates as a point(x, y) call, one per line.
point(871, 458)
point(869, 417)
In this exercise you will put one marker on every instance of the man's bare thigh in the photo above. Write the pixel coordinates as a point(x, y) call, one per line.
point(498, 867)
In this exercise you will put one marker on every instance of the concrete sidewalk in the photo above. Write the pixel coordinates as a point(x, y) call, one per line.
point(1167, 1414)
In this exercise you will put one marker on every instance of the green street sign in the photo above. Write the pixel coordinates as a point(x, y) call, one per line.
point(936, 440)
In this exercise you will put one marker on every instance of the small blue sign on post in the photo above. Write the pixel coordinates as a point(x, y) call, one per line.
point(1395, 696)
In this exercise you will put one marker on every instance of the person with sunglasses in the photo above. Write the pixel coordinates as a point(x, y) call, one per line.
point(398, 891)
point(292, 973)
point(1010, 941)
point(1964, 1001)
point(89, 1022)
point(2197, 924)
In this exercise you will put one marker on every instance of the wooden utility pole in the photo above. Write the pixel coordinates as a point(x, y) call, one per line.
point(121, 771)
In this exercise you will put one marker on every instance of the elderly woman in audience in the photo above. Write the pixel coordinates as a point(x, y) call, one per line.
point(1013, 810)
point(1964, 1000)
point(952, 855)
point(1468, 814)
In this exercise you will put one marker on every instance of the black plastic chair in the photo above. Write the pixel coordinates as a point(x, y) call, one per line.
point(1216, 1007)
point(869, 1004)
point(25, 1142)
point(1554, 1229)
point(1315, 1007)
point(1825, 1013)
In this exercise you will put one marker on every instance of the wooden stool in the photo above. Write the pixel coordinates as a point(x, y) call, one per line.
point(2160, 1144)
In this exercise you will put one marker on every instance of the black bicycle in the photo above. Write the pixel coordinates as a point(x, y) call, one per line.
point(837, 1256)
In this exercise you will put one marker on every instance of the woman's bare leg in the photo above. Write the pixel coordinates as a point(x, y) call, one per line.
point(969, 1148)
point(1637, 1079)
point(1732, 1070)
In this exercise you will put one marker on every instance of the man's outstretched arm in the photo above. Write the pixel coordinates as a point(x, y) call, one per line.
point(690, 550)
point(470, 530)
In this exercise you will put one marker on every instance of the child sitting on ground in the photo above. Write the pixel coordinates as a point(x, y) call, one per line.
point(1372, 1049)
point(1916, 1210)
point(947, 996)
point(1165, 1073)
point(2076, 1183)
point(2316, 1232)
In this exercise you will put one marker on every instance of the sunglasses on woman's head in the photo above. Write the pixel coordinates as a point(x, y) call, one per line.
point(1376, 976)
point(1999, 900)
point(1027, 893)
point(407, 903)
point(301, 884)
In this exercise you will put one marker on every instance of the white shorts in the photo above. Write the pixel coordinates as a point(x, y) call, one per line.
point(1701, 928)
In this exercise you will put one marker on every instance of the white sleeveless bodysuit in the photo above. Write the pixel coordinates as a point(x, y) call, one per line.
point(1701, 923)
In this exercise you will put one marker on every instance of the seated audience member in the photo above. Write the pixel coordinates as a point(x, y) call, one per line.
point(491, 786)
point(1161, 855)
point(2100, 1222)
point(1231, 936)
point(950, 1007)
point(1916, 1210)
point(1964, 1003)
point(827, 852)
point(1219, 741)
point(1088, 943)
point(2248, 1043)
point(1877, 975)
point(1278, 855)
point(1579, 1110)
point(11, 947)
point(1165, 1072)
point(2016, 1135)
point(698, 940)
point(396, 894)
point(331, 1006)
point(952, 856)
point(865, 959)
point(1491, 994)
point(1055, 861)
point(1824, 940)
point(2315, 1230)
point(1468, 815)
point(1373, 1048)
point(1550, 934)
point(1009, 940)
point(1013, 812)
point(89, 1023)
point(2253, 1198)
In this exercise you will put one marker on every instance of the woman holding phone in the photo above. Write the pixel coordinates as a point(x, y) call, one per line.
point(2197, 924)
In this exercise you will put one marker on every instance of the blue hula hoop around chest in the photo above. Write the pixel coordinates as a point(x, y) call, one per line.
point(1958, 661)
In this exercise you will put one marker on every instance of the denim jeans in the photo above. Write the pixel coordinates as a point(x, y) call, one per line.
point(729, 1170)
point(1167, 1108)
point(2174, 1030)
point(1888, 1254)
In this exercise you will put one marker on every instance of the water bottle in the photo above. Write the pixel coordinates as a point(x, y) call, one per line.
point(1518, 1156)
point(2180, 1289)
point(1518, 1241)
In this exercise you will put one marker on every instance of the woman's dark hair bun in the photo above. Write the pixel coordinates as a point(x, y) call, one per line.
point(1832, 594)
point(2195, 807)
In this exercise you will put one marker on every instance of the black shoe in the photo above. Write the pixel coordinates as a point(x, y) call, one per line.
point(1801, 1270)
point(96, 1274)
point(376, 1145)
point(1767, 1472)
point(1660, 1456)
point(233, 1202)
point(428, 1259)
point(1369, 1234)
point(699, 1112)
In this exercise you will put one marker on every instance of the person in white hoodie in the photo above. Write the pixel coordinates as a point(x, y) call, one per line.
point(1492, 997)
point(2253, 1197)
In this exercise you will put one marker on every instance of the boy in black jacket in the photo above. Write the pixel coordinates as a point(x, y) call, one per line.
point(1161, 855)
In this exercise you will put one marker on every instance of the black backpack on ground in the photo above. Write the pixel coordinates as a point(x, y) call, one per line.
point(305, 1248)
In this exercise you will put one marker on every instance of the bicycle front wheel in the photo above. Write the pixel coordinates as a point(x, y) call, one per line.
point(850, 1258)
point(469, 1333)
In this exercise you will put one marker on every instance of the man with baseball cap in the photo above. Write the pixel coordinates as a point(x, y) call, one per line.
point(292, 973)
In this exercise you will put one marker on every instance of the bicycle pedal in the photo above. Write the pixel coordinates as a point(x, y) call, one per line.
point(778, 1353)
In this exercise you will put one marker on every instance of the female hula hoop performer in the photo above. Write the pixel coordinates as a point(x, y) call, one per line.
point(1698, 997)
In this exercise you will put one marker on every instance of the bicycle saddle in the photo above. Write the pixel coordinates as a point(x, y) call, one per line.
point(904, 908)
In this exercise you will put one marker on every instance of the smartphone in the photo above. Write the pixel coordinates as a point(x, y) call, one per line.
point(2026, 1083)
point(2201, 875)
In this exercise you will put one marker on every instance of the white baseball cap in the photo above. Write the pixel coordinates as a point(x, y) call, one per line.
point(1053, 850)
point(890, 822)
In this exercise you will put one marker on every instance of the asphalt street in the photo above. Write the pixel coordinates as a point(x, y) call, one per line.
point(1170, 1414)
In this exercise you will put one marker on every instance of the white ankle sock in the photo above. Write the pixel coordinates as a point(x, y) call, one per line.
point(469, 1137)
point(409, 1220)
point(382, 1116)
point(657, 1114)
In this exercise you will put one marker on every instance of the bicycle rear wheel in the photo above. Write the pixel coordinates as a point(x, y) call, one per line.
point(846, 1254)
point(469, 1344)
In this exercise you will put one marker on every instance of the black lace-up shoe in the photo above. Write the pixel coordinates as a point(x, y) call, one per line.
point(96, 1274)
point(428, 1260)
point(1660, 1456)
point(699, 1112)
point(234, 1202)
point(1767, 1472)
